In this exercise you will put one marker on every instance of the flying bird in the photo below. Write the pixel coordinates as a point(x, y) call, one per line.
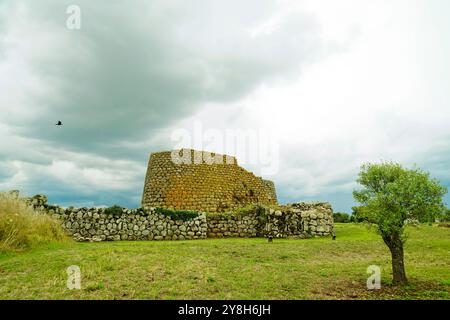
point(59, 123)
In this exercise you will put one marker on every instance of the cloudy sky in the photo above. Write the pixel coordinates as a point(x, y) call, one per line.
point(337, 83)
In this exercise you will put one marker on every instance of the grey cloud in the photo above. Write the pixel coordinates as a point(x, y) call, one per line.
point(6, 170)
point(73, 183)
point(135, 67)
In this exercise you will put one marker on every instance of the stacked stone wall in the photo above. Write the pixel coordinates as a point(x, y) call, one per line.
point(297, 220)
point(94, 224)
point(233, 226)
point(198, 184)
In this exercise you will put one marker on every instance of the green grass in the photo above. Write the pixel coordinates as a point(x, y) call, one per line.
point(232, 268)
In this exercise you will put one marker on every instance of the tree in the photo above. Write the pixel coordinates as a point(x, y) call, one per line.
point(358, 214)
point(392, 194)
point(446, 216)
point(341, 217)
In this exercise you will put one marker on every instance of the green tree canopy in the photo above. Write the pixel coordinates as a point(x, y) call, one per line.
point(341, 217)
point(390, 196)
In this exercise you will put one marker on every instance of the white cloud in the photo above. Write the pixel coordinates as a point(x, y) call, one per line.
point(340, 82)
point(372, 101)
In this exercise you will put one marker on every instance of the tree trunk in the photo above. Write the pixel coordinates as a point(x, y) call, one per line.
point(395, 245)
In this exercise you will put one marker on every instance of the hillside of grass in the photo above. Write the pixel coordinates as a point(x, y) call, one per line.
point(317, 268)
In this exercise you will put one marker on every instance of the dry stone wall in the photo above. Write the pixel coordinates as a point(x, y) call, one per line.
point(197, 183)
point(316, 218)
point(229, 226)
point(270, 188)
point(137, 224)
point(297, 220)
point(93, 224)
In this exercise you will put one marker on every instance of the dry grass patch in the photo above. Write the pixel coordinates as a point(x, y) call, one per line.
point(21, 227)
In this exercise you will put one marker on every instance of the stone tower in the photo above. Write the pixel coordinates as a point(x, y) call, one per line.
point(195, 180)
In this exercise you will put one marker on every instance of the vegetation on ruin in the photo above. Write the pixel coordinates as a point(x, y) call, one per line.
point(246, 210)
point(317, 268)
point(22, 228)
point(259, 210)
point(221, 215)
point(183, 215)
point(115, 210)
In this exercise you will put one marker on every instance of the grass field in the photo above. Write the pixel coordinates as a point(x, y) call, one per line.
point(232, 268)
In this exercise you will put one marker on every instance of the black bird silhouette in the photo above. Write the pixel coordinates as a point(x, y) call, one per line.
point(59, 123)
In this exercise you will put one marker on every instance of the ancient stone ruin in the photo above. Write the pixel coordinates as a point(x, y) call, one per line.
point(194, 180)
point(223, 199)
point(298, 220)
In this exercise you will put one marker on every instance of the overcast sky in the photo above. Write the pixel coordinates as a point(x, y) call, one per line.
point(338, 83)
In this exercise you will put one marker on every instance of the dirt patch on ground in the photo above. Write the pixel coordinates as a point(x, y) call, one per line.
point(444, 225)
point(357, 290)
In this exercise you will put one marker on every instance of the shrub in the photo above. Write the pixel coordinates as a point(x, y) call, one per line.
point(249, 209)
point(246, 210)
point(358, 214)
point(341, 217)
point(114, 210)
point(21, 227)
point(183, 215)
point(446, 216)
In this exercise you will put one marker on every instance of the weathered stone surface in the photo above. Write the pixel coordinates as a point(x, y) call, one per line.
point(298, 220)
point(202, 181)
